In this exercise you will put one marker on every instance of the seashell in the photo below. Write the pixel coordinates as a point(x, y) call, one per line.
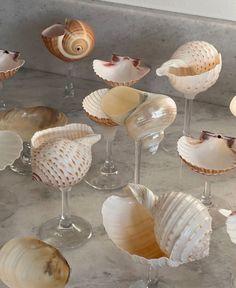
point(27, 121)
point(120, 101)
point(148, 122)
point(232, 106)
point(92, 106)
point(120, 71)
point(28, 262)
point(11, 146)
point(212, 154)
point(70, 42)
point(171, 229)
point(193, 68)
point(9, 64)
point(62, 156)
point(230, 223)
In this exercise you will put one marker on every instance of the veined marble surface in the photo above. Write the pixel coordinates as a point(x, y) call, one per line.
point(99, 263)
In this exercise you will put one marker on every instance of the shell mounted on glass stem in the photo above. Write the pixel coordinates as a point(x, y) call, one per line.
point(92, 106)
point(29, 262)
point(61, 156)
point(120, 71)
point(10, 63)
point(193, 68)
point(211, 154)
point(26, 121)
point(69, 42)
point(171, 229)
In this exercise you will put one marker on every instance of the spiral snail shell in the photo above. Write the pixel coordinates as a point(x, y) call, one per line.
point(70, 42)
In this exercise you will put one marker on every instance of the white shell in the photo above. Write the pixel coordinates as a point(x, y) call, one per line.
point(31, 263)
point(92, 106)
point(193, 68)
point(230, 223)
point(210, 156)
point(9, 63)
point(232, 106)
point(121, 70)
point(11, 146)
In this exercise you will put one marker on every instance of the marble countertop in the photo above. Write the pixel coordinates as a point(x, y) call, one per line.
point(99, 263)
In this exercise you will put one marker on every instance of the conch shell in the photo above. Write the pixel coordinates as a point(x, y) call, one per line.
point(9, 64)
point(11, 146)
point(230, 223)
point(92, 106)
point(61, 156)
point(27, 121)
point(212, 154)
point(120, 71)
point(70, 42)
point(31, 263)
point(171, 229)
point(193, 68)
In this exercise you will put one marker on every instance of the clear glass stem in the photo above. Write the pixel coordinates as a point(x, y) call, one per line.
point(153, 277)
point(187, 116)
point(65, 220)
point(2, 102)
point(206, 198)
point(69, 87)
point(26, 153)
point(137, 161)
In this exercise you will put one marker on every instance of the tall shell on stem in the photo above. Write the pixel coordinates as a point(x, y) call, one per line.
point(28, 262)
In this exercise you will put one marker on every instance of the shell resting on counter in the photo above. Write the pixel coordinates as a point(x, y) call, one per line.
point(27, 121)
point(61, 156)
point(211, 154)
point(230, 223)
point(70, 42)
point(31, 263)
point(193, 68)
point(232, 106)
point(171, 229)
point(120, 71)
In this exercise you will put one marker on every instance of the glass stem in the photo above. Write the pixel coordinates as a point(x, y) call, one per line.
point(187, 116)
point(2, 102)
point(65, 220)
point(69, 87)
point(137, 161)
point(26, 153)
point(153, 277)
point(206, 198)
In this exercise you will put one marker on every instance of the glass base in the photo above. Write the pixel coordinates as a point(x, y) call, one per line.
point(118, 178)
point(8, 203)
point(158, 284)
point(22, 168)
point(68, 238)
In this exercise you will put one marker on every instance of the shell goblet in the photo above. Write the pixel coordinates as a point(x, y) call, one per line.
point(9, 65)
point(61, 157)
point(211, 154)
point(70, 42)
point(140, 224)
point(26, 121)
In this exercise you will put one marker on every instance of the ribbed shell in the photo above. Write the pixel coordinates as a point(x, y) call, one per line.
point(92, 106)
point(9, 64)
point(210, 156)
point(26, 121)
point(70, 42)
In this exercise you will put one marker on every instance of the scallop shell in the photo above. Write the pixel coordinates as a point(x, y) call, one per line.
point(29, 262)
point(11, 146)
point(70, 42)
point(209, 155)
point(193, 68)
point(62, 156)
point(232, 106)
point(27, 121)
point(120, 101)
point(120, 71)
point(148, 122)
point(9, 64)
point(180, 223)
point(92, 106)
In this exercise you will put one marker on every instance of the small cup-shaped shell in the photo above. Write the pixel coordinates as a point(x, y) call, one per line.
point(11, 146)
point(9, 64)
point(70, 42)
point(120, 71)
point(193, 68)
point(92, 106)
point(212, 154)
point(31, 263)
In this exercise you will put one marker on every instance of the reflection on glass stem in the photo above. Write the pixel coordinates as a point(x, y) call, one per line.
point(69, 87)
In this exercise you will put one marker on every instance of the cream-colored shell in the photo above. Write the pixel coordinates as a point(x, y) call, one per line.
point(211, 156)
point(26, 121)
point(232, 106)
point(193, 68)
point(31, 263)
point(11, 146)
point(92, 106)
point(120, 71)
point(9, 64)
point(230, 223)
